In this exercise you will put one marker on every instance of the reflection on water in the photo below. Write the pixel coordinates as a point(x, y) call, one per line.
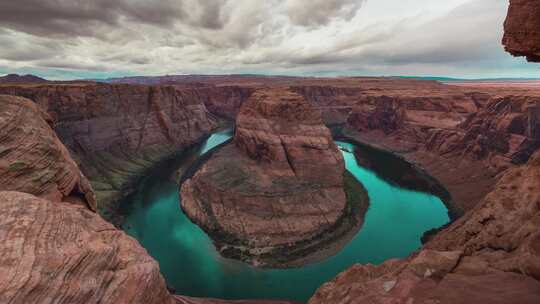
point(393, 226)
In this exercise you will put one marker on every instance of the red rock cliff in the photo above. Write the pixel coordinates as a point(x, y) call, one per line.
point(117, 132)
point(522, 29)
point(491, 255)
point(63, 253)
point(32, 158)
point(281, 128)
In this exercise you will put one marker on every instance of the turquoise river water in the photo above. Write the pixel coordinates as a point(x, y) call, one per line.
point(393, 226)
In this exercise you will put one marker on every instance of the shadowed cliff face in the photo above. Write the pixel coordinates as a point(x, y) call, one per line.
point(522, 29)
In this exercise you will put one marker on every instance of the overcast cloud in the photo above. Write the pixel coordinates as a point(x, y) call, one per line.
point(101, 38)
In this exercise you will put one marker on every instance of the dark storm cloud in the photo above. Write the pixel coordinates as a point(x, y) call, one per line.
point(88, 17)
point(211, 16)
point(321, 12)
point(268, 36)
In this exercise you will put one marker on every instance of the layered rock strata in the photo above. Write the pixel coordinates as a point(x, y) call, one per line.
point(55, 248)
point(117, 132)
point(64, 253)
point(478, 145)
point(277, 190)
point(32, 158)
point(490, 255)
point(522, 29)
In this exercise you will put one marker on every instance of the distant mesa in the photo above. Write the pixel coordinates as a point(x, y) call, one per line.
point(15, 78)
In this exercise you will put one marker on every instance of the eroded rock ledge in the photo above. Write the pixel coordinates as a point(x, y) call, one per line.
point(277, 191)
point(522, 29)
point(32, 158)
point(55, 247)
point(62, 253)
point(116, 133)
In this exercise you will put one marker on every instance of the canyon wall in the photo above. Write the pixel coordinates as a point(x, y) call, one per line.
point(32, 158)
point(522, 29)
point(117, 132)
point(490, 255)
point(55, 248)
point(460, 135)
point(223, 101)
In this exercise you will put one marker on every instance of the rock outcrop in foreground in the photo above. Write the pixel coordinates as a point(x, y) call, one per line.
point(277, 191)
point(491, 255)
point(64, 253)
point(55, 248)
point(522, 29)
point(32, 158)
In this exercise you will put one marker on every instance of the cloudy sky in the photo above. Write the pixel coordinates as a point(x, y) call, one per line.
point(65, 39)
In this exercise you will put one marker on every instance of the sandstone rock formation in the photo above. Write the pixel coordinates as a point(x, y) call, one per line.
point(522, 29)
point(490, 255)
point(117, 132)
point(280, 128)
point(463, 138)
point(501, 133)
point(32, 158)
point(114, 147)
point(387, 116)
point(277, 190)
point(55, 248)
point(224, 101)
point(63, 253)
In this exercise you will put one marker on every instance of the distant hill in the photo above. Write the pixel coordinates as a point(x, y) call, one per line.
point(200, 79)
point(15, 78)
point(450, 79)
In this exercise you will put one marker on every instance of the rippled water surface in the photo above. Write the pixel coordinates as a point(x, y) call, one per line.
point(393, 226)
